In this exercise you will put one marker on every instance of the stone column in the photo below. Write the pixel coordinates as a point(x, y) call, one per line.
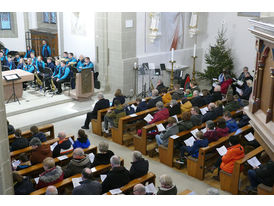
point(6, 182)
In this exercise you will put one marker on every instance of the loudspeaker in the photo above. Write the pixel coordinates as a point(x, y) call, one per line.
point(163, 66)
point(97, 84)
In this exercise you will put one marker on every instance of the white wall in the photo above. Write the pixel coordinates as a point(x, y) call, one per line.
point(19, 43)
point(239, 38)
point(80, 44)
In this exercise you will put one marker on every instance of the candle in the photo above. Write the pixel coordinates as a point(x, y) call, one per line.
point(172, 54)
point(194, 50)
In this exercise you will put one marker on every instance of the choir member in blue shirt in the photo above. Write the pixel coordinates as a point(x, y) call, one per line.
point(39, 63)
point(5, 51)
point(29, 67)
point(50, 64)
point(87, 65)
point(3, 58)
point(10, 63)
point(56, 69)
point(16, 59)
point(71, 58)
point(29, 50)
point(80, 61)
point(21, 64)
point(33, 58)
point(46, 51)
point(63, 76)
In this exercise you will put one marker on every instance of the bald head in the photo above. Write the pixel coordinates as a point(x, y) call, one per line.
point(139, 189)
point(62, 135)
point(51, 190)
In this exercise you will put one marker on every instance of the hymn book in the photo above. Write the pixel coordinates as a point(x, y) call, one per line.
point(76, 181)
point(249, 137)
point(63, 157)
point(204, 110)
point(115, 191)
point(103, 177)
point(222, 150)
point(239, 91)
point(151, 188)
point(160, 127)
point(203, 130)
point(148, 118)
point(175, 116)
point(133, 115)
point(190, 141)
point(134, 107)
point(193, 132)
point(53, 146)
point(91, 157)
point(174, 136)
point(254, 162)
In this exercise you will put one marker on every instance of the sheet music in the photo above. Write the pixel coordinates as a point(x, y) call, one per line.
point(53, 146)
point(238, 131)
point(222, 150)
point(254, 162)
point(249, 137)
point(214, 84)
point(36, 179)
point(76, 181)
point(240, 83)
point(175, 116)
point(151, 188)
point(133, 115)
point(148, 118)
point(214, 79)
point(160, 127)
point(103, 177)
point(174, 136)
point(134, 107)
point(70, 139)
point(91, 157)
point(16, 163)
point(239, 91)
point(63, 157)
point(203, 130)
point(115, 191)
point(194, 132)
point(190, 141)
point(93, 169)
point(204, 110)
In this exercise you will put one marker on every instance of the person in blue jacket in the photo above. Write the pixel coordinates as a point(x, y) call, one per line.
point(10, 63)
point(87, 65)
point(16, 59)
point(80, 61)
point(5, 51)
point(71, 58)
point(29, 50)
point(46, 51)
point(56, 68)
point(21, 64)
point(3, 58)
point(63, 76)
point(50, 64)
point(141, 105)
point(39, 63)
point(82, 140)
point(33, 58)
point(230, 123)
point(29, 67)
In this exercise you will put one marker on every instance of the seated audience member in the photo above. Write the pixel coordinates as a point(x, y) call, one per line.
point(221, 128)
point(51, 190)
point(35, 133)
point(178, 93)
point(234, 153)
point(118, 96)
point(51, 175)
point(139, 189)
point(113, 116)
point(117, 177)
point(216, 95)
point(171, 129)
point(188, 93)
point(160, 86)
point(210, 134)
point(50, 64)
point(63, 76)
point(104, 155)
point(197, 100)
point(175, 108)
point(11, 129)
point(186, 105)
point(211, 113)
point(154, 99)
point(141, 105)
point(29, 50)
point(242, 75)
point(200, 142)
point(24, 162)
point(263, 174)
point(63, 147)
point(19, 141)
point(231, 104)
point(194, 86)
point(230, 123)
point(82, 140)
point(39, 151)
point(247, 90)
point(219, 108)
point(78, 162)
point(206, 96)
point(21, 64)
point(80, 62)
point(167, 187)
point(166, 96)
point(196, 117)
point(185, 123)
point(22, 185)
point(139, 166)
point(225, 85)
point(102, 103)
point(162, 113)
point(29, 67)
point(87, 186)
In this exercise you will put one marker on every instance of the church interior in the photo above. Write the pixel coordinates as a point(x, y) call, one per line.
point(183, 101)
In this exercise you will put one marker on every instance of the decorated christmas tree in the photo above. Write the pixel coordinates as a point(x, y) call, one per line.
point(218, 58)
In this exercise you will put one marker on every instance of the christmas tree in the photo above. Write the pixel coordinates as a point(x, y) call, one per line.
point(218, 58)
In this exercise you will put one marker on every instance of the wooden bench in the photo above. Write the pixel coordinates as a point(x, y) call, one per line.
point(230, 182)
point(128, 188)
point(166, 154)
point(27, 134)
point(68, 181)
point(28, 149)
point(265, 190)
point(36, 169)
point(196, 166)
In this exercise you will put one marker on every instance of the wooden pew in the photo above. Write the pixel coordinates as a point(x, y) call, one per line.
point(27, 134)
point(166, 154)
point(230, 182)
point(127, 189)
point(68, 181)
point(265, 190)
point(196, 166)
point(16, 153)
point(36, 169)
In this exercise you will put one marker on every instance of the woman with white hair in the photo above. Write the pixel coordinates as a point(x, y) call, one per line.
point(139, 166)
point(104, 155)
point(247, 90)
point(167, 187)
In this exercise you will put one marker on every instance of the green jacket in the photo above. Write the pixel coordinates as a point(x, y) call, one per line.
point(185, 125)
point(116, 114)
point(232, 106)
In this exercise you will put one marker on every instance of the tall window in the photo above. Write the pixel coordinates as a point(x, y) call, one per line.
point(49, 17)
point(5, 23)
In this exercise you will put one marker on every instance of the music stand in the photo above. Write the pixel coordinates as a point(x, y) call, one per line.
point(46, 74)
point(163, 66)
point(12, 77)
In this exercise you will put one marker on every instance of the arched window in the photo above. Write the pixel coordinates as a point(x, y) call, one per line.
point(49, 17)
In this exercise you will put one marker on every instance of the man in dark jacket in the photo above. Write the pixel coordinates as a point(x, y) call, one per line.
point(117, 177)
point(104, 155)
point(154, 99)
point(39, 151)
point(10, 128)
point(178, 93)
point(175, 108)
point(78, 162)
point(232, 104)
point(87, 186)
point(197, 100)
point(211, 114)
point(141, 105)
point(196, 117)
point(160, 86)
point(216, 95)
point(19, 142)
point(63, 147)
point(139, 166)
point(102, 103)
point(35, 133)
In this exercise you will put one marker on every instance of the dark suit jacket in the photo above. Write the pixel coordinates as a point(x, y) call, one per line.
point(152, 102)
point(198, 101)
point(101, 104)
point(88, 187)
point(210, 115)
point(138, 169)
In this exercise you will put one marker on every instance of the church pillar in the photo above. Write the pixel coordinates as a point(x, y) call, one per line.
point(6, 183)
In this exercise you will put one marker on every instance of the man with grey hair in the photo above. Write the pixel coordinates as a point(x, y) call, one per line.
point(154, 99)
point(216, 95)
point(162, 113)
point(102, 103)
point(78, 162)
point(139, 189)
point(103, 156)
point(197, 100)
point(39, 151)
point(51, 190)
point(63, 147)
point(139, 166)
point(211, 114)
point(117, 177)
point(175, 108)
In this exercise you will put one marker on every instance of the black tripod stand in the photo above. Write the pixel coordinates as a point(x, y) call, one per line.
point(13, 94)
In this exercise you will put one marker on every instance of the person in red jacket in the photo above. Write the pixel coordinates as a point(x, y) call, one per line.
point(52, 174)
point(221, 128)
point(210, 134)
point(234, 153)
point(162, 114)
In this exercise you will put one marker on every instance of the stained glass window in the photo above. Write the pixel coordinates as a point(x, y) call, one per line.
point(49, 17)
point(46, 17)
point(53, 17)
point(5, 21)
